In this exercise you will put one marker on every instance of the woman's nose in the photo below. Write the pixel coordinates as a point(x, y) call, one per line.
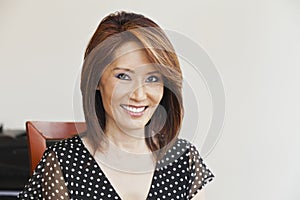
point(139, 93)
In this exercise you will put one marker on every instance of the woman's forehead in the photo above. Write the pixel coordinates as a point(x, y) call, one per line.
point(131, 56)
point(127, 47)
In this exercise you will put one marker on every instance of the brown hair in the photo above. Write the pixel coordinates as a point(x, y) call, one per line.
point(113, 31)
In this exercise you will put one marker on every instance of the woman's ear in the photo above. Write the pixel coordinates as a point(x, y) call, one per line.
point(98, 87)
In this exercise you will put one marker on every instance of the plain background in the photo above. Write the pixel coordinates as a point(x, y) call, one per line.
point(254, 44)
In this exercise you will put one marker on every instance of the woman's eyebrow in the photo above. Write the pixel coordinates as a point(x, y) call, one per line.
point(129, 70)
point(154, 72)
point(125, 69)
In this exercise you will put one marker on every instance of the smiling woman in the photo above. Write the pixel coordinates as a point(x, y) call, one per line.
point(131, 86)
point(131, 89)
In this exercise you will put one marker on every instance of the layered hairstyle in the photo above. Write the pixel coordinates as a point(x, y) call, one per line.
point(113, 31)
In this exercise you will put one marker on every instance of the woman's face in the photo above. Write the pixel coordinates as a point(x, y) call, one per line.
point(131, 89)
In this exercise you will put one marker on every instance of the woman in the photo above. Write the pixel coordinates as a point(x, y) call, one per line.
point(131, 87)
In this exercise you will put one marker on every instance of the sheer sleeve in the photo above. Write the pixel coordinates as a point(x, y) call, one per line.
point(200, 175)
point(47, 181)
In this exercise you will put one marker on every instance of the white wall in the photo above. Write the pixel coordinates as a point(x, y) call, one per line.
point(254, 44)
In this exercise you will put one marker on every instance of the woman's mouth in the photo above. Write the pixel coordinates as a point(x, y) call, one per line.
point(134, 110)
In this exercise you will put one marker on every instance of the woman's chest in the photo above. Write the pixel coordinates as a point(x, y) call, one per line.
point(129, 185)
point(92, 182)
point(87, 178)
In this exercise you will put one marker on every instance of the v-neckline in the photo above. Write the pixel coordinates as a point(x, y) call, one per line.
point(95, 163)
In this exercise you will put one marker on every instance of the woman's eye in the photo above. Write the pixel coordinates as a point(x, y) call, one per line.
point(152, 79)
point(123, 76)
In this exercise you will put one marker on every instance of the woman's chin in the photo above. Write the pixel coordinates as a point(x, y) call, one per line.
point(133, 126)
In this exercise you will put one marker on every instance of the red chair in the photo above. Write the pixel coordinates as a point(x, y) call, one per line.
point(38, 132)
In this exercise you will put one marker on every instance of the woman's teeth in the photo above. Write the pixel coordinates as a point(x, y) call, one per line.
point(134, 109)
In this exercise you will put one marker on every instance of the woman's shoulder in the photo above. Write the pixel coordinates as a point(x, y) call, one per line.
point(179, 151)
point(68, 152)
point(67, 146)
point(191, 148)
point(183, 145)
point(183, 141)
point(200, 174)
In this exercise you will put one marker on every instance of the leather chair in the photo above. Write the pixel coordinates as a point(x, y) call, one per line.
point(40, 132)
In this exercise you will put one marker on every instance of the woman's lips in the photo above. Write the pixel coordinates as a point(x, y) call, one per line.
point(134, 110)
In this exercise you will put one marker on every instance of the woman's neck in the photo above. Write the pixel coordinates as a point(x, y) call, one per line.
point(132, 141)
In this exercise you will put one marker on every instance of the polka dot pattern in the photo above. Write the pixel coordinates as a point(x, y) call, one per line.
point(68, 171)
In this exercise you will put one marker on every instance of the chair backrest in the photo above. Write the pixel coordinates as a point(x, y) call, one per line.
point(38, 132)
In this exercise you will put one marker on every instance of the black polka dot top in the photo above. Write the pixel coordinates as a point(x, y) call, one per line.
point(68, 171)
